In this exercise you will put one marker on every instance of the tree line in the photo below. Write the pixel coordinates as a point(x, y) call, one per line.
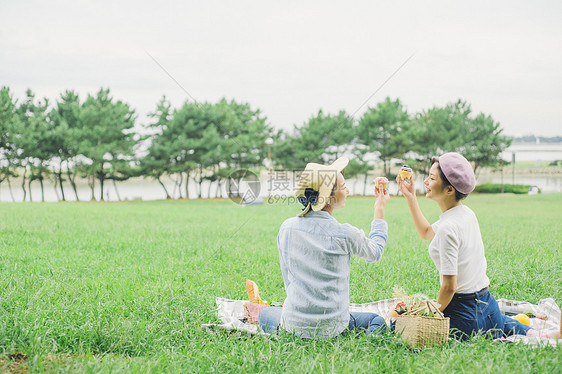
point(98, 139)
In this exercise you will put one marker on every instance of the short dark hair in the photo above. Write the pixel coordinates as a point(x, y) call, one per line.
point(458, 196)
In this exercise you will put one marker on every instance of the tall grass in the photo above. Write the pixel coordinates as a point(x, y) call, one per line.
point(106, 287)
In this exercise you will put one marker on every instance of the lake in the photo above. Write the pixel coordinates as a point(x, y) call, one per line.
point(533, 152)
point(148, 189)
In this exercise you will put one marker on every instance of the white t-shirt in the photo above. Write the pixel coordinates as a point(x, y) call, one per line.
point(457, 249)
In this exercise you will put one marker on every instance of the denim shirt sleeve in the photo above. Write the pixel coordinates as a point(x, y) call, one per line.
point(372, 248)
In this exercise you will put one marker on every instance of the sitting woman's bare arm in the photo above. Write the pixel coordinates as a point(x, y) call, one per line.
point(447, 290)
point(424, 229)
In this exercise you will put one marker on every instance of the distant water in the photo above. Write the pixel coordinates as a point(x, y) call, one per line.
point(546, 184)
point(533, 152)
point(148, 189)
point(151, 190)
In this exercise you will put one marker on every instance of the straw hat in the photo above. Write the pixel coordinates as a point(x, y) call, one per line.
point(316, 184)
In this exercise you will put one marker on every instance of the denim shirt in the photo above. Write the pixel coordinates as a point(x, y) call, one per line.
point(315, 254)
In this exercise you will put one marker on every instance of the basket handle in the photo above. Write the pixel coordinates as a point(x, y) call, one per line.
point(434, 307)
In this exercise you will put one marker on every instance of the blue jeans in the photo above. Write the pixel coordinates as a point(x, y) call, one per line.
point(480, 314)
point(270, 318)
point(370, 323)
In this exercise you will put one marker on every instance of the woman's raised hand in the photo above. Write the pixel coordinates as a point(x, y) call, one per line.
point(382, 195)
point(407, 189)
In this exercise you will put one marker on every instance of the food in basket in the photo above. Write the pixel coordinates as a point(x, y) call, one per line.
point(419, 320)
point(416, 304)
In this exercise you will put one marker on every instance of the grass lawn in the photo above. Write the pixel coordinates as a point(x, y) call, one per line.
point(110, 287)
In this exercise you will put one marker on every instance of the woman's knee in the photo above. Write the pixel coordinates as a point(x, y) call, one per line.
point(378, 325)
point(269, 318)
point(514, 327)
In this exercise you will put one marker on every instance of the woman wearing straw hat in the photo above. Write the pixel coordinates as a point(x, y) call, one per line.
point(457, 251)
point(315, 255)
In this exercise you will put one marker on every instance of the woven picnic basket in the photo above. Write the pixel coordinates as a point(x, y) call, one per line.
point(420, 331)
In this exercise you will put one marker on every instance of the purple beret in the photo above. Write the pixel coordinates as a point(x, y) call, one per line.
point(458, 171)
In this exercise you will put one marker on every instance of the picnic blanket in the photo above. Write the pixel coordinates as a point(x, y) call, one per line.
point(231, 314)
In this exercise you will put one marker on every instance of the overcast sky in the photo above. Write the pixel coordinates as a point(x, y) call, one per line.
point(291, 58)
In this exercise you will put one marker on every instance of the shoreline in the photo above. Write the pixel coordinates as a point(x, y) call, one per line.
point(548, 179)
point(522, 172)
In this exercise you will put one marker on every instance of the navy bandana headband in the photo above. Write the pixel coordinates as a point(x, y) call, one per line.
point(310, 197)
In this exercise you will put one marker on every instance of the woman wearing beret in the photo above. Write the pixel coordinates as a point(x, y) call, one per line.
point(457, 250)
point(315, 256)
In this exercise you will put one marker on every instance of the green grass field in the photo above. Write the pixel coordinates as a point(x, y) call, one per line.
point(111, 287)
